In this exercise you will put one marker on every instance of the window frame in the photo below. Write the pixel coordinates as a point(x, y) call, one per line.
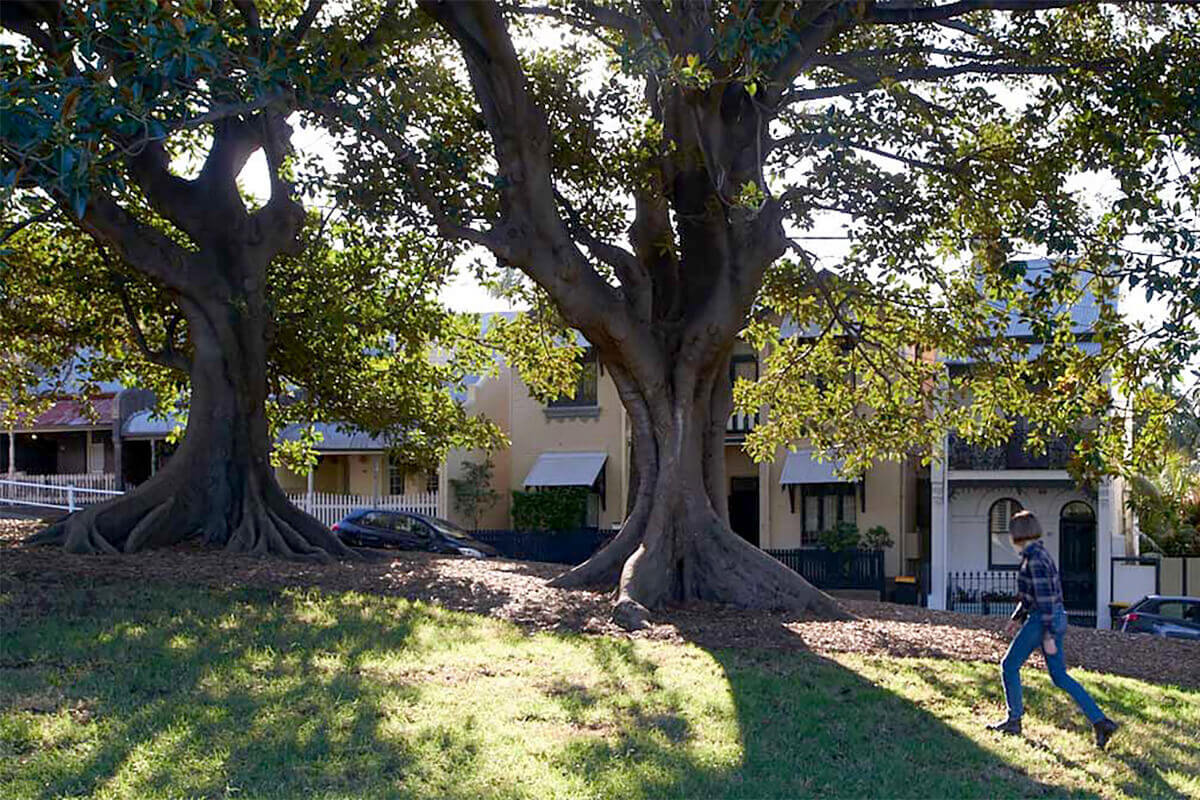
point(993, 565)
point(847, 494)
point(396, 469)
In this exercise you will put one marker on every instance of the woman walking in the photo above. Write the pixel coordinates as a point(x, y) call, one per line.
point(1045, 621)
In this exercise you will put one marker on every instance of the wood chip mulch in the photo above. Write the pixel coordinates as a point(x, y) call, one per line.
point(33, 579)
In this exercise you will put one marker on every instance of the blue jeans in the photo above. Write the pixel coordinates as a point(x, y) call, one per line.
point(1027, 640)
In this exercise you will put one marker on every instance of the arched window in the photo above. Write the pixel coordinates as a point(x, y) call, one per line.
point(1000, 552)
point(1078, 511)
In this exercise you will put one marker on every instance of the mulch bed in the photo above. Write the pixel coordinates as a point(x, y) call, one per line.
point(32, 579)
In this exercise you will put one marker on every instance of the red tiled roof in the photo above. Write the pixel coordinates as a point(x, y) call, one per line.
point(72, 413)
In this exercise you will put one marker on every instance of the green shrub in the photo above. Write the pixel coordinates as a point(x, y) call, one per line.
point(843, 536)
point(876, 538)
point(473, 492)
point(557, 508)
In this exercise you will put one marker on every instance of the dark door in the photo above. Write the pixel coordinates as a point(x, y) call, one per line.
point(135, 453)
point(1077, 555)
point(743, 508)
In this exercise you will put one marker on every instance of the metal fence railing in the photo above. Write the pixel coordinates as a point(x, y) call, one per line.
point(33, 495)
point(994, 594)
point(555, 547)
point(830, 570)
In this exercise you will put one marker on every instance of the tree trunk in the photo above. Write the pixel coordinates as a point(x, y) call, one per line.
point(219, 484)
point(676, 545)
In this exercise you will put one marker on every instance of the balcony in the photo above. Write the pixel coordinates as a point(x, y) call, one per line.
point(1011, 456)
point(740, 424)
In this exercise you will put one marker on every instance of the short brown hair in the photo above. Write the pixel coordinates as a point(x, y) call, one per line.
point(1023, 526)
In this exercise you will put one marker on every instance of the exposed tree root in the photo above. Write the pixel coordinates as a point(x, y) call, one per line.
point(604, 567)
point(712, 565)
point(153, 516)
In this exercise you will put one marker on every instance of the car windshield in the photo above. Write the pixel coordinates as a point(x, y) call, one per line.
point(449, 529)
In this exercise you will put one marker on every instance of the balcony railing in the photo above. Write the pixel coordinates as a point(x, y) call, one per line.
point(1012, 455)
point(740, 423)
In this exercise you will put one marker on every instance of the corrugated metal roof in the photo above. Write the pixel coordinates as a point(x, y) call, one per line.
point(336, 437)
point(566, 469)
point(1084, 312)
point(75, 414)
point(801, 467)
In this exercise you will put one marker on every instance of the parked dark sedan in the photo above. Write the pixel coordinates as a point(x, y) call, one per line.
point(406, 531)
point(1173, 617)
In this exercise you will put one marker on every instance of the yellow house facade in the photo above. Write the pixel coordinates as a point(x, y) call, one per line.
point(585, 441)
point(354, 463)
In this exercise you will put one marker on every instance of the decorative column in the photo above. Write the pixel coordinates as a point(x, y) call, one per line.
point(939, 545)
point(1104, 553)
point(12, 454)
point(764, 505)
point(443, 494)
point(308, 495)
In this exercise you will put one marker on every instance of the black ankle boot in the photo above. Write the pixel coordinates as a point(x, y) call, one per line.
point(1011, 726)
point(1104, 729)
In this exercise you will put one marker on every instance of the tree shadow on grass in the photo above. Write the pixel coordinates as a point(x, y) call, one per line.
point(803, 725)
point(244, 693)
point(254, 693)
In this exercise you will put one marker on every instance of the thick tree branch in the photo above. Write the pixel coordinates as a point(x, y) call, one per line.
point(143, 247)
point(306, 20)
point(175, 198)
point(282, 219)
point(905, 13)
point(532, 228)
point(625, 264)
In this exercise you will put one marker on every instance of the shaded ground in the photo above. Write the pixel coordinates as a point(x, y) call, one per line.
point(31, 579)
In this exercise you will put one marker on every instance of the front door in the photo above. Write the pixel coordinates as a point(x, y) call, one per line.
point(1077, 555)
point(743, 508)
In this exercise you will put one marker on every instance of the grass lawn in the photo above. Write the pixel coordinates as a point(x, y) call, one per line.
point(154, 691)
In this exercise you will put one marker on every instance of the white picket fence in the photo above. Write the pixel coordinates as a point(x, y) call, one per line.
point(35, 491)
point(329, 508)
point(82, 480)
point(28, 494)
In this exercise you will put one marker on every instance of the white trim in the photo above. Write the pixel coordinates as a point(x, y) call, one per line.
point(1008, 475)
point(939, 529)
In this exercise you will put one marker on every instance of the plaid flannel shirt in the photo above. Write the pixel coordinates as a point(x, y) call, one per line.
point(1038, 585)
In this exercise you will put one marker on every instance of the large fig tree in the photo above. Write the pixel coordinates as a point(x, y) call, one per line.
point(125, 128)
point(653, 169)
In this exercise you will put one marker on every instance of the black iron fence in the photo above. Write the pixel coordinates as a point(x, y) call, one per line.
point(825, 569)
point(556, 547)
point(853, 569)
point(1013, 454)
point(994, 594)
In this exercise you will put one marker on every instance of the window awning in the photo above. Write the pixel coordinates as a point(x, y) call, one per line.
point(801, 468)
point(144, 425)
point(566, 469)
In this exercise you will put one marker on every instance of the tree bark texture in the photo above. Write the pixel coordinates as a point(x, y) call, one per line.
point(676, 545)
